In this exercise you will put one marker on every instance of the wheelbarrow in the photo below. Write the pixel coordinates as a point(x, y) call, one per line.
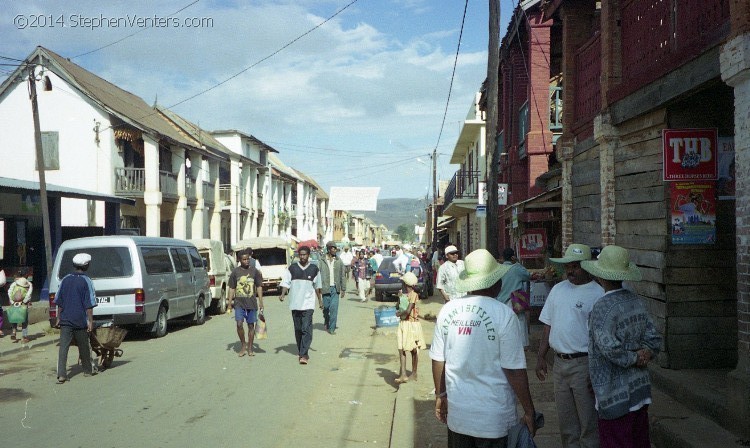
point(105, 342)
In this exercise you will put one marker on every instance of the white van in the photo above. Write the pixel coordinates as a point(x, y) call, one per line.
point(273, 254)
point(138, 280)
point(219, 267)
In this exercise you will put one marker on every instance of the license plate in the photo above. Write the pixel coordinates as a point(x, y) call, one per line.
point(104, 300)
point(395, 275)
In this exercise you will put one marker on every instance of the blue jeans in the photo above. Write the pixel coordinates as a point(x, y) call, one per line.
point(303, 330)
point(84, 350)
point(331, 308)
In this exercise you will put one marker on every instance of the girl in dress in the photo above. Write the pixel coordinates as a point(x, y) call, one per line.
point(409, 335)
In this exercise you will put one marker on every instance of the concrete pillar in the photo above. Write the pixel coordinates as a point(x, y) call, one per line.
point(606, 134)
point(152, 197)
point(215, 225)
point(180, 215)
point(234, 208)
point(111, 218)
point(254, 206)
point(735, 71)
point(200, 169)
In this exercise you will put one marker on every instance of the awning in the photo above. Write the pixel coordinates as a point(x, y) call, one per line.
point(18, 186)
point(548, 200)
point(445, 221)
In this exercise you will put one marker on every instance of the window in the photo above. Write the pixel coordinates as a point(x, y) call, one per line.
point(106, 262)
point(195, 257)
point(157, 260)
point(181, 260)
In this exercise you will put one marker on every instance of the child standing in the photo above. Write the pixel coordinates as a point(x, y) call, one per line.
point(409, 335)
point(20, 297)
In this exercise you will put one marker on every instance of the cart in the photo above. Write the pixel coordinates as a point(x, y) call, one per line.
point(105, 342)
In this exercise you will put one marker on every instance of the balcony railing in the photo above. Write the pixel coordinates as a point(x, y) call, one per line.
point(209, 192)
point(225, 195)
point(132, 182)
point(190, 190)
point(464, 185)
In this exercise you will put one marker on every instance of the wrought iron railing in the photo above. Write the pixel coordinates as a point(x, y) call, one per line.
point(464, 185)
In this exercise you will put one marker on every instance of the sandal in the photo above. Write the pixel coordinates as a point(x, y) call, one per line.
point(61, 379)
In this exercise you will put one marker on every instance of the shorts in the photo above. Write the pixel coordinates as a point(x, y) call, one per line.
point(249, 316)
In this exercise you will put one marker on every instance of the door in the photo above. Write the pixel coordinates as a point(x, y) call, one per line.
point(200, 276)
point(184, 278)
point(159, 280)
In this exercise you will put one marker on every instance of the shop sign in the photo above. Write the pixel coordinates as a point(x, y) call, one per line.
point(690, 154)
point(533, 243)
point(538, 291)
point(693, 212)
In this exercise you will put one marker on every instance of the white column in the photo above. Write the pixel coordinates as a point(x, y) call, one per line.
point(234, 209)
point(152, 197)
point(180, 214)
point(215, 225)
point(199, 216)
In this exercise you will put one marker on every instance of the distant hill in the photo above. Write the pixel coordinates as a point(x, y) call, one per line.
point(394, 212)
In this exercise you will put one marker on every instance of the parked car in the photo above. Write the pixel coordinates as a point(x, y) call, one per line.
point(139, 280)
point(219, 266)
point(273, 254)
point(388, 280)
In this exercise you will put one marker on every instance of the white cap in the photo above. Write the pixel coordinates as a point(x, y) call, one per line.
point(81, 259)
point(450, 249)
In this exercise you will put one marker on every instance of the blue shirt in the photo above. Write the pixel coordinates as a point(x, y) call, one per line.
point(75, 296)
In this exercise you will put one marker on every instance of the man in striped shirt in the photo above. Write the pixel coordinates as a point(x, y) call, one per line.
point(301, 281)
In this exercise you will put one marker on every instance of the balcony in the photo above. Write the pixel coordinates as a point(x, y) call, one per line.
point(461, 196)
point(225, 196)
point(209, 193)
point(131, 182)
point(190, 190)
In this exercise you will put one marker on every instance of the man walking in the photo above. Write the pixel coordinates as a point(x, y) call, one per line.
point(474, 336)
point(622, 341)
point(565, 316)
point(347, 257)
point(333, 280)
point(75, 302)
point(448, 275)
point(302, 282)
point(246, 286)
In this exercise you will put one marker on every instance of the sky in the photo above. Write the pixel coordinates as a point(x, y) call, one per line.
point(352, 93)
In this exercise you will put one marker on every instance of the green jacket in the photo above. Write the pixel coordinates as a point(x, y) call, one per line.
point(339, 276)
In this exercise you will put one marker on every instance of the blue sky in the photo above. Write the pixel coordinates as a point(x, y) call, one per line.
point(357, 102)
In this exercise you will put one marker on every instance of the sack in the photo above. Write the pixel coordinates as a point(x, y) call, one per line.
point(520, 301)
point(17, 314)
point(261, 331)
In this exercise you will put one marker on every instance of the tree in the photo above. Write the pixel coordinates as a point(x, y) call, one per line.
point(405, 232)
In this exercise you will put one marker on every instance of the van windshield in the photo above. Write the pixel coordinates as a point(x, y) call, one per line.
point(106, 262)
point(270, 257)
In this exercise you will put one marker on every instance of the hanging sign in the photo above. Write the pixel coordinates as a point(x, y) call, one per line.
point(693, 212)
point(690, 154)
point(533, 243)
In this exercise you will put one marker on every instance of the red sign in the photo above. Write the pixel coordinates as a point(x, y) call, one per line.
point(690, 154)
point(533, 243)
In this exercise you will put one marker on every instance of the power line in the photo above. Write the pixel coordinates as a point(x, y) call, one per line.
point(133, 34)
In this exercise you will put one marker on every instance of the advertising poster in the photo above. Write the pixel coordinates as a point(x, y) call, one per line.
point(690, 154)
point(693, 212)
point(533, 243)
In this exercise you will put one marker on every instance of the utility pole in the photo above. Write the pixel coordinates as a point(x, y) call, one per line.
point(434, 197)
point(40, 167)
point(493, 64)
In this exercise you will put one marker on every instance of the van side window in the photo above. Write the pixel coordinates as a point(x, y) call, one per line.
point(157, 260)
point(181, 260)
point(195, 257)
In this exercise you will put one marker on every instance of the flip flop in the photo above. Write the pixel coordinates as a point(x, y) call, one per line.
point(400, 381)
point(303, 360)
point(251, 354)
point(61, 380)
point(242, 353)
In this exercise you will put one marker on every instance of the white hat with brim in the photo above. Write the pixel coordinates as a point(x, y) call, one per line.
point(450, 250)
point(22, 282)
point(481, 271)
point(574, 252)
point(613, 264)
point(81, 259)
point(409, 279)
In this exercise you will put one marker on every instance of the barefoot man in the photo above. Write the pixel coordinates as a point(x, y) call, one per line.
point(246, 285)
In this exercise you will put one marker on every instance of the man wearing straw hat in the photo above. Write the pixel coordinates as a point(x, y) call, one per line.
point(478, 362)
point(565, 316)
point(622, 341)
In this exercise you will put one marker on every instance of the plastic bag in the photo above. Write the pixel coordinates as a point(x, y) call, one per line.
point(520, 301)
point(17, 314)
point(261, 331)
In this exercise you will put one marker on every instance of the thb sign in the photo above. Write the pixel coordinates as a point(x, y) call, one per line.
point(690, 154)
point(533, 243)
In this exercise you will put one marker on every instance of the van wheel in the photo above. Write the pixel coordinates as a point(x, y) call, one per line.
point(160, 325)
point(200, 312)
point(221, 305)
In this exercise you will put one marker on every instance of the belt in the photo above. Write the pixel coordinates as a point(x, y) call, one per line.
point(571, 355)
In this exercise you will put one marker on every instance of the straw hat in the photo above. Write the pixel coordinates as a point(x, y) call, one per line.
point(613, 264)
point(409, 279)
point(574, 252)
point(481, 271)
point(22, 282)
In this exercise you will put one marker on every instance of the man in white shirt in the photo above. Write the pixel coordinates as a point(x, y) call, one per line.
point(565, 316)
point(378, 257)
point(302, 282)
point(347, 257)
point(474, 336)
point(448, 275)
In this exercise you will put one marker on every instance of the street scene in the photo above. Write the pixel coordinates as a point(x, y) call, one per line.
point(511, 223)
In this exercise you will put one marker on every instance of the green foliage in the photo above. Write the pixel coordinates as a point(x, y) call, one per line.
point(406, 233)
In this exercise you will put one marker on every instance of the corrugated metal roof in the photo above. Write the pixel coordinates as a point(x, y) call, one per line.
point(18, 186)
